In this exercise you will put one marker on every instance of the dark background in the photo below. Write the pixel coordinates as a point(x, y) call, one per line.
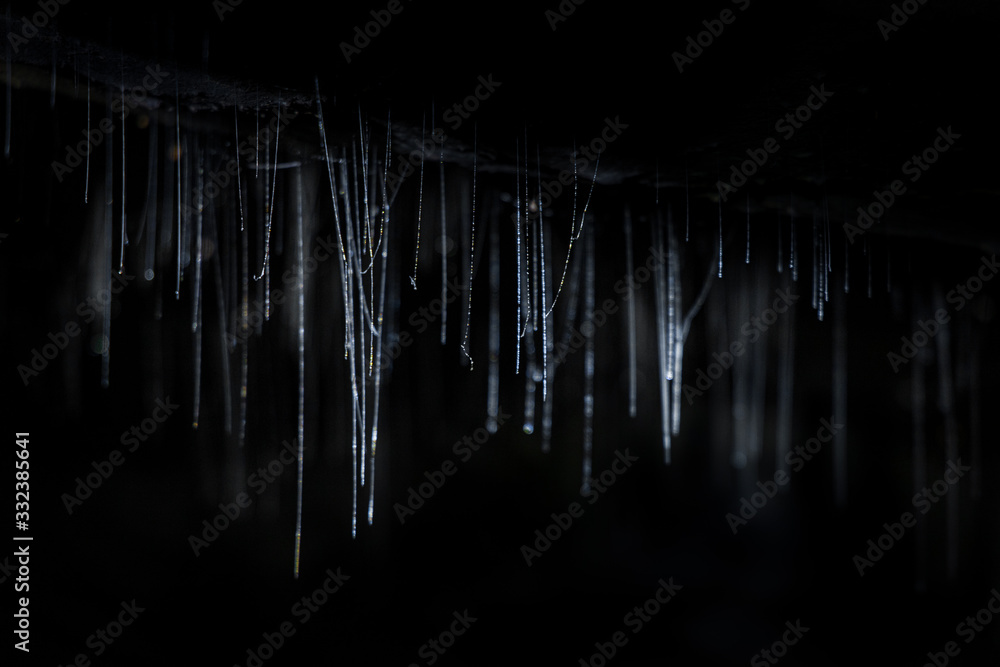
point(462, 549)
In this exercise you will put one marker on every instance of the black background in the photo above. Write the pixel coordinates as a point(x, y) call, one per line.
point(462, 549)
